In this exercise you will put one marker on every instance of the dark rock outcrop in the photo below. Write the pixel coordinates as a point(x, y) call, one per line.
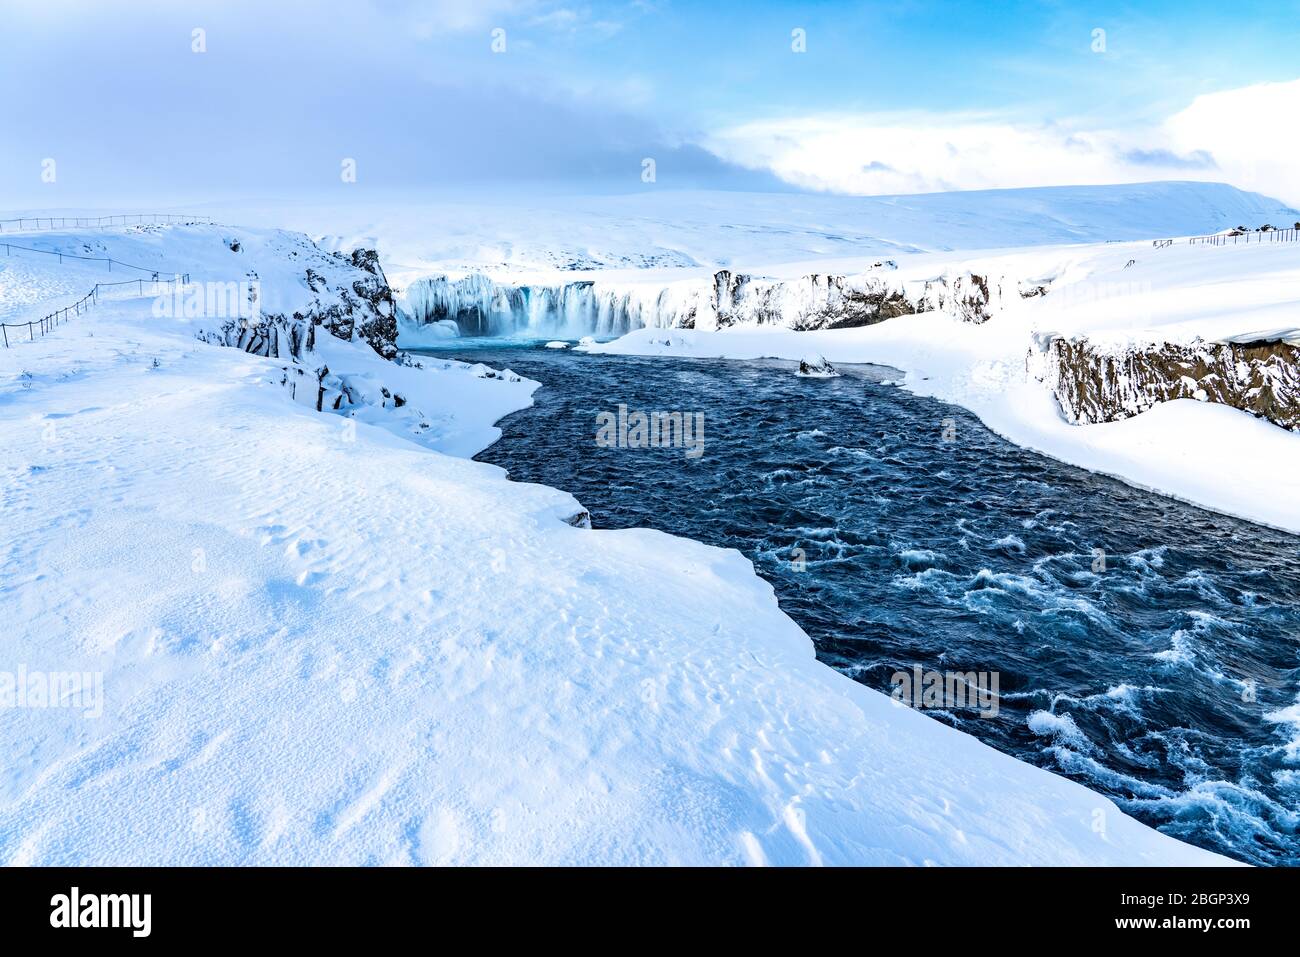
point(966, 296)
point(814, 301)
point(378, 324)
point(351, 299)
point(580, 519)
point(1100, 384)
point(276, 337)
point(330, 392)
point(816, 367)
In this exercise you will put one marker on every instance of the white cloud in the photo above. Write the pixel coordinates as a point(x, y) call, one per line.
point(1253, 132)
point(430, 17)
point(1246, 137)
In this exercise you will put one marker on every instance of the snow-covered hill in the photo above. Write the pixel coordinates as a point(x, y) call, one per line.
point(321, 639)
point(532, 238)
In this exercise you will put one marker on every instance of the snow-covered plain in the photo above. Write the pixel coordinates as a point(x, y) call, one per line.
point(660, 232)
point(329, 641)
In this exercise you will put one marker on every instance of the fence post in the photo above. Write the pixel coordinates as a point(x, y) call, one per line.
point(6, 334)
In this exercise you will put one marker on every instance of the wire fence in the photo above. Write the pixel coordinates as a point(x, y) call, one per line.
point(102, 290)
point(25, 223)
point(47, 323)
point(1245, 237)
point(10, 247)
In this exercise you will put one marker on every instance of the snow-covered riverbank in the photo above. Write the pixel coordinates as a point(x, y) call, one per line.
point(324, 639)
point(1122, 296)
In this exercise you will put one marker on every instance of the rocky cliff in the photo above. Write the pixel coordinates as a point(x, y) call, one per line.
point(346, 295)
point(1099, 383)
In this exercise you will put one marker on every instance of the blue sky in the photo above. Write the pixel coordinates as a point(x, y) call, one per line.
point(733, 59)
point(888, 97)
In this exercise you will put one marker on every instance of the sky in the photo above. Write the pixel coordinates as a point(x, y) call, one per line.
point(108, 102)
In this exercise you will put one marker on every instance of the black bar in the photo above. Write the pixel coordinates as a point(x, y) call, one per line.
point(920, 910)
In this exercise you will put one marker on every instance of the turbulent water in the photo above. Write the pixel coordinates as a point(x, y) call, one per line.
point(1144, 647)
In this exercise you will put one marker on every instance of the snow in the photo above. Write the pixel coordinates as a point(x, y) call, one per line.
point(429, 334)
point(336, 640)
point(662, 230)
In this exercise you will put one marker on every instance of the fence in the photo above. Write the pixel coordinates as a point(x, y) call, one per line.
point(1246, 238)
point(99, 222)
point(46, 324)
point(1243, 238)
point(10, 247)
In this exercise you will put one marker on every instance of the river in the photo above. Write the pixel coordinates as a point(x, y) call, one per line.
point(1142, 646)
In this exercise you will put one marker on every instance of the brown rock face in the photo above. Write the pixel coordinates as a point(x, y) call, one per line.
point(1096, 384)
point(965, 296)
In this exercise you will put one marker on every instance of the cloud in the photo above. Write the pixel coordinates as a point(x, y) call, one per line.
point(414, 92)
point(1170, 160)
point(915, 154)
point(1252, 132)
point(429, 17)
point(577, 21)
point(282, 97)
point(1245, 136)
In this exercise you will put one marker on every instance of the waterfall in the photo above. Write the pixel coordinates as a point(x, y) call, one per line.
point(481, 306)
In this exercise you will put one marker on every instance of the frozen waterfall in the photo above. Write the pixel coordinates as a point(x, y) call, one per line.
point(482, 306)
